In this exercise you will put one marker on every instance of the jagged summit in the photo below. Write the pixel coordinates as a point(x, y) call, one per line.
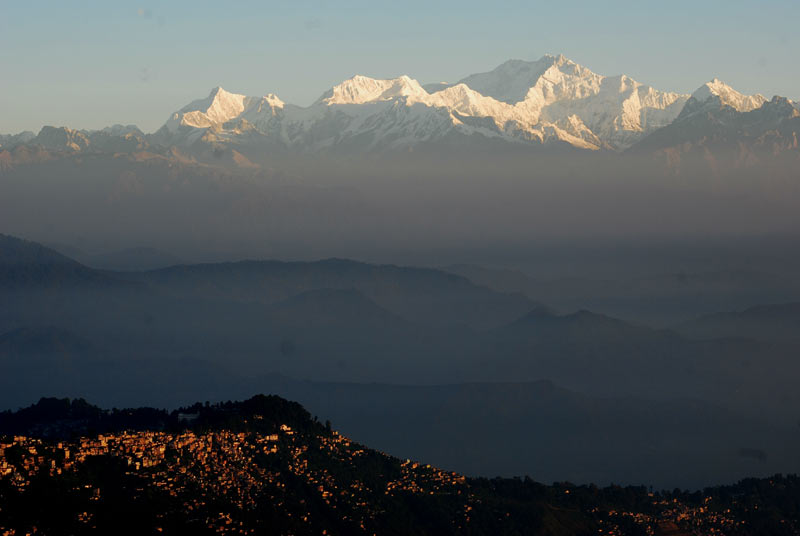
point(220, 106)
point(721, 94)
point(511, 81)
point(362, 89)
point(122, 130)
point(551, 100)
point(273, 100)
point(62, 138)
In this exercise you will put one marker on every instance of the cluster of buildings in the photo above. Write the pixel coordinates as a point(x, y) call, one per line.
point(248, 469)
point(224, 463)
point(672, 517)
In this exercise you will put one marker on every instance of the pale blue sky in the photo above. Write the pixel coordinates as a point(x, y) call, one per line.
point(93, 63)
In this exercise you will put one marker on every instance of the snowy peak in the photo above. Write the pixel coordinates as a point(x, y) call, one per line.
point(515, 81)
point(219, 107)
point(363, 89)
point(552, 100)
point(520, 102)
point(720, 94)
point(511, 81)
point(272, 100)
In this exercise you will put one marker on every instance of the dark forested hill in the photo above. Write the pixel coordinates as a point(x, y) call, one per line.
point(264, 464)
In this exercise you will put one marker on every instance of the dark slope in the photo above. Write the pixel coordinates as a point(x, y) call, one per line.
point(15, 251)
point(29, 265)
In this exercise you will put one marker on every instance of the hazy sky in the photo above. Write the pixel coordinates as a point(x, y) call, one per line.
point(93, 63)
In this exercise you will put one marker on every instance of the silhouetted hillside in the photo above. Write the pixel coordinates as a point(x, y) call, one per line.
point(70, 418)
point(26, 265)
point(265, 465)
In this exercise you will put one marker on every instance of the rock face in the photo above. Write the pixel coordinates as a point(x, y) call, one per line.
point(62, 138)
point(727, 130)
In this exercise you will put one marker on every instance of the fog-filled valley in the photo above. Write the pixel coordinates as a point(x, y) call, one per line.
point(459, 208)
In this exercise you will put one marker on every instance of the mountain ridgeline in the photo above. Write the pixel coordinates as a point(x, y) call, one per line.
point(552, 101)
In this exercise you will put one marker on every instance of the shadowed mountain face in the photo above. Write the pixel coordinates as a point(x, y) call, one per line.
point(726, 137)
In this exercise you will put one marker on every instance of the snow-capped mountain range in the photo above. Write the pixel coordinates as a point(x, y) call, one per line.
point(551, 101)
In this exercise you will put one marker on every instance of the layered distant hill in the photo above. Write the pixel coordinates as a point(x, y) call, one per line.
point(551, 103)
point(601, 399)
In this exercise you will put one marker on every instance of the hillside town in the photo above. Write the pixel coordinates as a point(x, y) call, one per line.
point(301, 477)
point(238, 466)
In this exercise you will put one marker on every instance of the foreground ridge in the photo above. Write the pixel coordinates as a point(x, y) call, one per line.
point(265, 465)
